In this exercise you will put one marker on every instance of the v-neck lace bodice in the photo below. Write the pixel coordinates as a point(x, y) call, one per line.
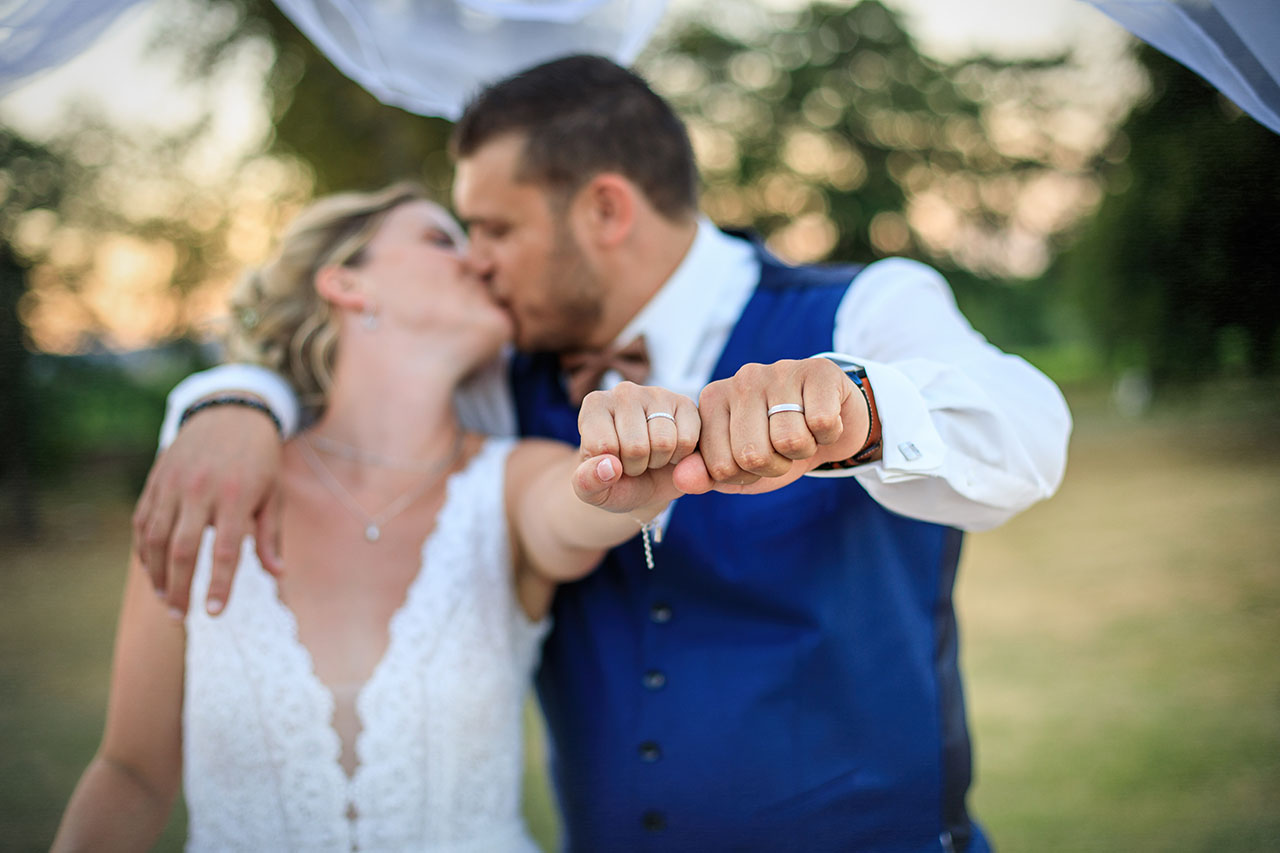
point(439, 751)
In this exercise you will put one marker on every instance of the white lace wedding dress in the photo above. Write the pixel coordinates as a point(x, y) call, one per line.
point(440, 750)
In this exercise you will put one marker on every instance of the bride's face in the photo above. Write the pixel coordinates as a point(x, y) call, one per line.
point(415, 272)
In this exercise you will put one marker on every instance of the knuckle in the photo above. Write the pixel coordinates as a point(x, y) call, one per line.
point(597, 446)
point(722, 471)
point(750, 458)
point(823, 423)
point(663, 443)
point(792, 443)
point(632, 450)
point(231, 489)
point(624, 392)
point(197, 481)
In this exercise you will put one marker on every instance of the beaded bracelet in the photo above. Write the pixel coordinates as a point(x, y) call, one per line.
point(232, 400)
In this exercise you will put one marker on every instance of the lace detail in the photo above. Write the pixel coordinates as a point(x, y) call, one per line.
point(439, 749)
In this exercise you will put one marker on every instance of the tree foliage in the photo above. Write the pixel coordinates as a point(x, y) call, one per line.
point(344, 136)
point(32, 178)
point(830, 132)
point(826, 130)
point(1179, 274)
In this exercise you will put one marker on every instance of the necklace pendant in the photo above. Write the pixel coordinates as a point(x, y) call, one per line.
point(372, 533)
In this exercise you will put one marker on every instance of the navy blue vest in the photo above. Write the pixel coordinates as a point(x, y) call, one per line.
point(785, 678)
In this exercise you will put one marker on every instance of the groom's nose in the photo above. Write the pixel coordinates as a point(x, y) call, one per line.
point(479, 265)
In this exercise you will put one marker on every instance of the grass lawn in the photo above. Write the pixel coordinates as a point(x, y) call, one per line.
point(1122, 645)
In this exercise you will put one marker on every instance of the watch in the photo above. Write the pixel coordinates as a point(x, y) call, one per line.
point(871, 448)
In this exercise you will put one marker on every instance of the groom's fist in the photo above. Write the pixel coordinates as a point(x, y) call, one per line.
point(815, 409)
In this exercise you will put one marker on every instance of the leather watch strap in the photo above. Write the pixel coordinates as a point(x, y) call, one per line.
point(872, 448)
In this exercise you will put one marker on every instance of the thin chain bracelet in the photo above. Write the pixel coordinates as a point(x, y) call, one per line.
point(648, 529)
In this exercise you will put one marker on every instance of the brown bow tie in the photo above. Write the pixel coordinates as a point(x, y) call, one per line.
point(585, 368)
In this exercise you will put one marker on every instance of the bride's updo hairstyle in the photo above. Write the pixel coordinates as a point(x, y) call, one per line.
point(278, 320)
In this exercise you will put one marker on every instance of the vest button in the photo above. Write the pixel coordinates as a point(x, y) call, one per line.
point(650, 751)
point(660, 613)
point(654, 679)
point(654, 821)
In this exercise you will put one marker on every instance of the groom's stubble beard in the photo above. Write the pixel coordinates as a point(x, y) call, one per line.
point(574, 303)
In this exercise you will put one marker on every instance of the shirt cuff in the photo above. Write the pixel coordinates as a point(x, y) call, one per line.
point(229, 378)
point(910, 445)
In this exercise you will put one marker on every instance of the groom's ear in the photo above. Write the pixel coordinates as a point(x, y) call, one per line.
point(608, 209)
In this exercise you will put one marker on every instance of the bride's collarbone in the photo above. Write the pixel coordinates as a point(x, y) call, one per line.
point(343, 595)
point(338, 578)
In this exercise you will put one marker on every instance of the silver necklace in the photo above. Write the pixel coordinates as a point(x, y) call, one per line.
point(373, 523)
point(367, 457)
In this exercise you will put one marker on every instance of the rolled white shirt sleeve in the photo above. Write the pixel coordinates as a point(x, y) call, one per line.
point(971, 435)
point(229, 379)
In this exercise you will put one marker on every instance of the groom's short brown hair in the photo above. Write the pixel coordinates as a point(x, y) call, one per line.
point(583, 115)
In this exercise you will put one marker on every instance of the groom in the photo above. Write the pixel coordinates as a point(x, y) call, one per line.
point(785, 677)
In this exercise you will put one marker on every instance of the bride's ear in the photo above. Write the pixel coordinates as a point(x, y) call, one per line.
point(340, 287)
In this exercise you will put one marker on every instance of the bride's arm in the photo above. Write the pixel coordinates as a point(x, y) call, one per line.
point(124, 797)
point(566, 506)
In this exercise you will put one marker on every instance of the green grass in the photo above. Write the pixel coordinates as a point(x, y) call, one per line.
point(1121, 644)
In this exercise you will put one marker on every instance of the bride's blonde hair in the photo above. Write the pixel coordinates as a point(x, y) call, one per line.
point(278, 320)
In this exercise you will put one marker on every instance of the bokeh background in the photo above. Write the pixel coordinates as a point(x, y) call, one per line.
point(1098, 209)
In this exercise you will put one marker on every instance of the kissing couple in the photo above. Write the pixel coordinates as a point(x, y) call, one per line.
point(766, 671)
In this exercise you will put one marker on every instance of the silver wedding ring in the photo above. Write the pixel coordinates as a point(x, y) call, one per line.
point(666, 415)
point(785, 407)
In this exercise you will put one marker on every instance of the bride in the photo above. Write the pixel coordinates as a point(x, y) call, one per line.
point(369, 696)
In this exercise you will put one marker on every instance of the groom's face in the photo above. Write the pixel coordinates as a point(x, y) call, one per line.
point(522, 246)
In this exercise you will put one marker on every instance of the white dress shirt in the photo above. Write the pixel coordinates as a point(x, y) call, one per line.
point(971, 435)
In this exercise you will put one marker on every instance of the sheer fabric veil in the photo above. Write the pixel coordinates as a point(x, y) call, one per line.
point(425, 56)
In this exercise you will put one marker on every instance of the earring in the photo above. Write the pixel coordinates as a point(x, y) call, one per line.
point(369, 318)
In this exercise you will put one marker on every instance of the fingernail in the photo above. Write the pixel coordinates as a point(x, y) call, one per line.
point(175, 614)
point(604, 469)
point(214, 606)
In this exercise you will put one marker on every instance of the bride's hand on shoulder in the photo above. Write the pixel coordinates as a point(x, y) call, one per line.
point(632, 437)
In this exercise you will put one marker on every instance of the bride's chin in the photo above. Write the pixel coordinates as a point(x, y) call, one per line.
point(504, 326)
point(493, 337)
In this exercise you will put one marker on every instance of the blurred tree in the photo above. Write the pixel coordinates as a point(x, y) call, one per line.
point(33, 180)
point(824, 129)
point(343, 135)
point(1180, 271)
point(828, 131)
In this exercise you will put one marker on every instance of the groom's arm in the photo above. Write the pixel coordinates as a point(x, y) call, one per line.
point(970, 435)
point(219, 467)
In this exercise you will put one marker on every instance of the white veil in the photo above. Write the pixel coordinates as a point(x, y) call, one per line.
point(426, 56)
point(1234, 44)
